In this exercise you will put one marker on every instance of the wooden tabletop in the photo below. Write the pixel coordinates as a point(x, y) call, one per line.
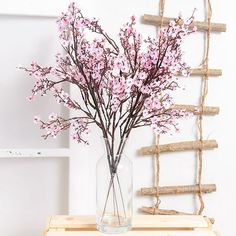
point(158, 225)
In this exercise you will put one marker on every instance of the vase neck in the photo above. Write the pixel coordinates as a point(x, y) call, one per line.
point(114, 147)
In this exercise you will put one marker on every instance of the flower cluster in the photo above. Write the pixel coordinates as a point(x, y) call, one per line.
point(123, 85)
point(57, 124)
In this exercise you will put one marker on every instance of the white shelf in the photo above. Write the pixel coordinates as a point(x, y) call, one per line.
point(43, 8)
point(34, 153)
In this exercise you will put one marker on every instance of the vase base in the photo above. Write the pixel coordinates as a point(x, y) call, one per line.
point(111, 226)
point(113, 230)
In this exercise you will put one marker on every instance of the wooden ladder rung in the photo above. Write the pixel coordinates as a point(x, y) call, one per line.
point(202, 72)
point(207, 110)
point(201, 26)
point(181, 189)
point(180, 146)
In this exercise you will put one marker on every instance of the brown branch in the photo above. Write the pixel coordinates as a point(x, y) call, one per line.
point(182, 189)
point(180, 146)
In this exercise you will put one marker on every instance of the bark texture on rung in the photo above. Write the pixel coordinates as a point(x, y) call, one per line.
point(196, 110)
point(201, 26)
point(180, 146)
point(182, 189)
point(201, 72)
point(157, 211)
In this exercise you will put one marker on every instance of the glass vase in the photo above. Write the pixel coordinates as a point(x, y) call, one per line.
point(114, 193)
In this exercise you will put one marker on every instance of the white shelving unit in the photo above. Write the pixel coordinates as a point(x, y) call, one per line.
point(35, 174)
point(34, 153)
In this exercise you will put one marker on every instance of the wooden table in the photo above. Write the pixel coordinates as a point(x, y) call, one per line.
point(143, 225)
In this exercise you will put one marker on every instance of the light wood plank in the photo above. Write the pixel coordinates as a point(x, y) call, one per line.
point(136, 233)
point(139, 222)
point(73, 222)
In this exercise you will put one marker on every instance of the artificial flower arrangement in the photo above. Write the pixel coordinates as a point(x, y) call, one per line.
point(122, 85)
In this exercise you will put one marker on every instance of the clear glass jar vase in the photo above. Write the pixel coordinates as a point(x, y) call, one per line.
point(114, 193)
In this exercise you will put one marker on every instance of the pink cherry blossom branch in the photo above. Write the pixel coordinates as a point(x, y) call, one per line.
point(122, 85)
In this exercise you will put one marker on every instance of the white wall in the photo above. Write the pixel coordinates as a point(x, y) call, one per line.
point(30, 190)
point(219, 165)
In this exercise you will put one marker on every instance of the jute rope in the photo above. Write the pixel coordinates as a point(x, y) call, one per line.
point(161, 11)
point(157, 174)
point(204, 92)
point(157, 141)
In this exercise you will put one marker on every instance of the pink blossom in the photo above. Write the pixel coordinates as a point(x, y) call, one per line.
point(52, 117)
point(30, 98)
point(37, 119)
